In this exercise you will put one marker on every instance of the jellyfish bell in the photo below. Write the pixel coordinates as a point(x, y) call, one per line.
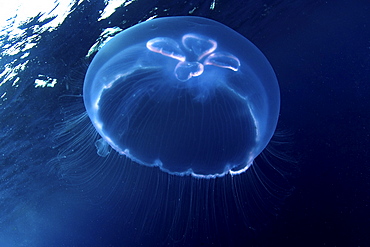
point(186, 94)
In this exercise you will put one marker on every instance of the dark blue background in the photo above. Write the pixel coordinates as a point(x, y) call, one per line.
point(320, 51)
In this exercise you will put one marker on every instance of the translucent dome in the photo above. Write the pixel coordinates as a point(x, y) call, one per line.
point(186, 94)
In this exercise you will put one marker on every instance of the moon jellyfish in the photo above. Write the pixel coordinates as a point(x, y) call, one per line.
point(185, 94)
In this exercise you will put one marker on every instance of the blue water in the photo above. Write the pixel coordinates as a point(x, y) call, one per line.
point(56, 191)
